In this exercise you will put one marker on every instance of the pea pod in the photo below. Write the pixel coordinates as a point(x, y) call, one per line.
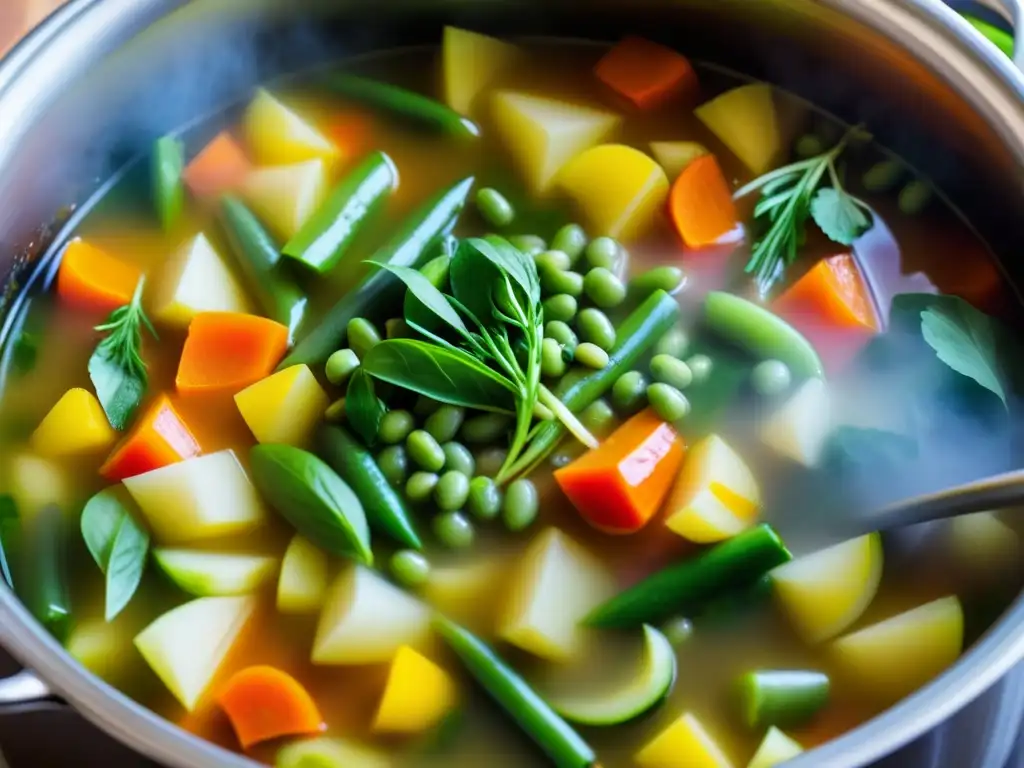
point(380, 291)
point(168, 164)
point(384, 506)
point(44, 571)
point(538, 720)
point(325, 239)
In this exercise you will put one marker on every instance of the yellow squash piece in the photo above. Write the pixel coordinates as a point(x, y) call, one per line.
point(745, 120)
point(285, 407)
point(716, 495)
point(303, 581)
point(469, 593)
point(543, 134)
point(825, 592)
point(683, 744)
point(775, 749)
point(674, 156)
point(895, 657)
point(75, 425)
point(285, 196)
point(35, 482)
point(275, 135)
point(471, 63)
point(619, 190)
point(417, 696)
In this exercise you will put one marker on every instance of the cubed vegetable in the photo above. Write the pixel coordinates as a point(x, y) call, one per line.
point(543, 134)
point(201, 498)
point(102, 647)
point(417, 696)
point(701, 205)
point(266, 703)
point(745, 120)
point(825, 592)
point(675, 156)
point(196, 279)
point(35, 482)
point(716, 495)
point(215, 574)
point(469, 593)
point(472, 62)
point(186, 646)
point(276, 135)
point(330, 753)
point(619, 190)
point(284, 197)
point(618, 486)
point(776, 748)
point(303, 581)
point(556, 583)
point(225, 352)
point(93, 280)
point(799, 428)
point(646, 74)
point(75, 425)
point(220, 168)
point(685, 743)
point(365, 620)
point(159, 438)
point(984, 545)
point(285, 407)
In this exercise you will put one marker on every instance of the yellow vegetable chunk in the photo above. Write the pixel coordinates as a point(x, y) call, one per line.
point(469, 594)
point(683, 744)
point(674, 156)
point(745, 120)
point(102, 647)
point(825, 592)
point(471, 63)
point(716, 495)
point(34, 482)
point(895, 657)
point(556, 584)
point(196, 279)
point(619, 190)
point(284, 407)
point(417, 696)
point(776, 748)
point(800, 427)
point(985, 546)
point(543, 134)
point(276, 135)
point(328, 752)
point(75, 425)
point(285, 196)
point(303, 581)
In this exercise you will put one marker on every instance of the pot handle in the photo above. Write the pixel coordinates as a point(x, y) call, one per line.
point(1012, 11)
point(23, 691)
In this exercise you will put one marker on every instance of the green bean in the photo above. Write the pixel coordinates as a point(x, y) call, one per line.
point(604, 288)
point(362, 336)
point(598, 417)
point(595, 327)
point(701, 367)
point(458, 457)
point(555, 281)
point(665, 278)
point(410, 568)
point(883, 176)
point(335, 411)
point(675, 342)
point(168, 165)
point(395, 427)
point(678, 630)
point(425, 451)
point(340, 366)
point(420, 486)
point(671, 370)
point(770, 378)
point(484, 500)
point(668, 402)
point(530, 245)
point(551, 259)
point(397, 328)
point(444, 423)
point(571, 240)
point(490, 461)
point(629, 391)
point(394, 464)
point(808, 145)
point(562, 333)
point(494, 207)
point(591, 355)
point(784, 698)
point(454, 530)
point(452, 491)
point(46, 589)
point(521, 505)
point(560, 308)
point(603, 252)
point(914, 197)
point(485, 428)
point(425, 406)
point(552, 365)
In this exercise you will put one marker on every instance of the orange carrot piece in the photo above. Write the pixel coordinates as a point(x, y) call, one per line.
point(645, 73)
point(618, 486)
point(227, 351)
point(701, 205)
point(264, 703)
point(91, 279)
point(221, 167)
point(159, 438)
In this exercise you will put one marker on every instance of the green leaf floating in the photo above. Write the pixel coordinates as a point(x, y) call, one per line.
point(363, 409)
point(118, 544)
point(839, 215)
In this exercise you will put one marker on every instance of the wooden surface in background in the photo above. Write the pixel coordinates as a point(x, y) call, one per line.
point(19, 16)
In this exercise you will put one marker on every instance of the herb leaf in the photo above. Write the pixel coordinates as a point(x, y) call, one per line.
point(363, 409)
point(429, 297)
point(118, 544)
point(510, 260)
point(965, 340)
point(838, 215)
point(10, 525)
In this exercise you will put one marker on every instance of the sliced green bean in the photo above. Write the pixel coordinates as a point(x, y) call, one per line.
point(168, 164)
point(784, 698)
point(46, 589)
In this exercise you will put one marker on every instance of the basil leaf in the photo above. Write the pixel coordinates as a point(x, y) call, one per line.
point(117, 543)
point(118, 388)
point(513, 262)
point(10, 525)
point(473, 278)
point(429, 297)
point(447, 375)
point(838, 215)
point(363, 409)
point(311, 496)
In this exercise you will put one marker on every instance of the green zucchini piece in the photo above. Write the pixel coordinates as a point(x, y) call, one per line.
point(215, 574)
point(168, 188)
point(781, 697)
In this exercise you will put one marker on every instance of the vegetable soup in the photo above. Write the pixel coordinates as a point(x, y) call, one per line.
point(385, 422)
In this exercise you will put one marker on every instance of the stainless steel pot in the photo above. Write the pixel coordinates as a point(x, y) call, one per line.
point(101, 78)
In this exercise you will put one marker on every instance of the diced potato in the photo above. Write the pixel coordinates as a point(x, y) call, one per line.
point(984, 545)
point(276, 135)
point(285, 196)
point(196, 279)
point(745, 120)
point(102, 647)
point(201, 498)
point(895, 657)
point(303, 581)
point(215, 574)
point(285, 407)
point(556, 584)
point(75, 425)
point(619, 190)
point(186, 645)
point(683, 744)
point(330, 753)
point(472, 62)
point(417, 696)
point(365, 620)
point(543, 134)
point(470, 593)
point(674, 156)
point(776, 748)
point(716, 495)
point(34, 483)
point(800, 427)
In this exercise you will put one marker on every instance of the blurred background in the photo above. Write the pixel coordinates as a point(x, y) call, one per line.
point(19, 16)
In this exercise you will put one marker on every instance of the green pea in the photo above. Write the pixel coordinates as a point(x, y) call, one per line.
point(490, 460)
point(458, 457)
point(452, 491)
point(551, 363)
point(420, 486)
point(668, 279)
point(362, 336)
point(552, 260)
point(678, 630)
point(883, 176)
point(555, 281)
point(771, 378)
point(395, 427)
point(560, 307)
point(454, 530)
point(674, 342)
point(808, 145)
point(595, 327)
point(444, 423)
point(393, 462)
point(570, 240)
point(668, 402)
point(671, 370)
point(340, 366)
point(701, 367)
point(629, 391)
point(410, 568)
point(425, 451)
point(915, 197)
point(521, 505)
point(530, 245)
point(397, 328)
point(598, 417)
point(562, 333)
point(603, 252)
point(485, 428)
point(604, 288)
point(494, 207)
point(425, 406)
point(484, 500)
point(335, 411)
point(592, 356)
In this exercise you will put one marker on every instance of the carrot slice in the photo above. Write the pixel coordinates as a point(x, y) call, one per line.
point(227, 351)
point(159, 438)
point(221, 167)
point(618, 486)
point(645, 73)
point(701, 205)
point(92, 279)
point(264, 703)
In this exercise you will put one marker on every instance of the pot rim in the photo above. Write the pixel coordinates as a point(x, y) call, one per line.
point(928, 29)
